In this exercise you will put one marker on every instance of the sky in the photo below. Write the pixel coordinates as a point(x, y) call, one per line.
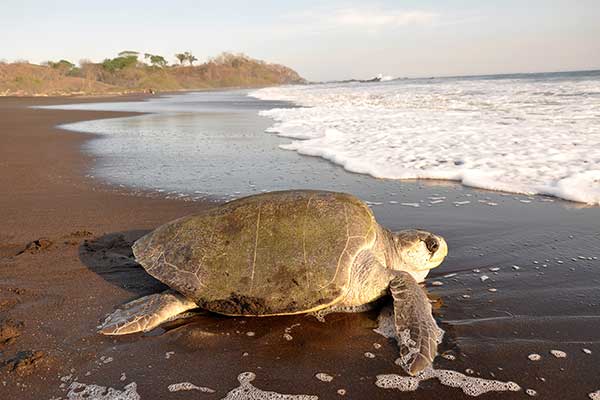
point(322, 40)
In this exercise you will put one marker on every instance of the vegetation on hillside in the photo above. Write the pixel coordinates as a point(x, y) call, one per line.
point(131, 71)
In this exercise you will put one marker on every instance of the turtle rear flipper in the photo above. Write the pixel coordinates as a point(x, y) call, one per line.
point(418, 333)
point(145, 313)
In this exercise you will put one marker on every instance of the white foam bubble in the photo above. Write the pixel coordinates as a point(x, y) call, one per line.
point(558, 353)
point(594, 395)
point(82, 391)
point(534, 357)
point(246, 391)
point(187, 386)
point(386, 326)
point(323, 377)
point(471, 386)
point(531, 392)
point(486, 133)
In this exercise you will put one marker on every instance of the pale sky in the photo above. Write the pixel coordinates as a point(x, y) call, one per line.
point(321, 40)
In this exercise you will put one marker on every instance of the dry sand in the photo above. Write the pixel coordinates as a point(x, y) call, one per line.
point(65, 248)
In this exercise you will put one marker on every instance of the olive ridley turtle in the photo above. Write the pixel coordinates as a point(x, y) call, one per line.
point(289, 252)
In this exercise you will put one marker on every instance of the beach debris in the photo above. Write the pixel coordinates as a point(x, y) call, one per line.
point(168, 354)
point(24, 362)
point(186, 386)
point(586, 351)
point(369, 355)
point(341, 392)
point(323, 377)
point(82, 391)
point(36, 246)
point(558, 353)
point(484, 278)
point(534, 357)
point(594, 395)
point(471, 386)
point(247, 391)
point(531, 392)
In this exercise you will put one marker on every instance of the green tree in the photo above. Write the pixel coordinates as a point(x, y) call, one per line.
point(156, 60)
point(119, 63)
point(63, 66)
point(181, 57)
point(190, 57)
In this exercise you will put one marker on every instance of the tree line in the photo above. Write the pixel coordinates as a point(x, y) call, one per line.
point(125, 59)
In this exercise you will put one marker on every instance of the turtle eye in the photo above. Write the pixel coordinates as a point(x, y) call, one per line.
point(432, 244)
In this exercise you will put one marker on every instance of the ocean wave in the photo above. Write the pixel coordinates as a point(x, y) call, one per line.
point(529, 136)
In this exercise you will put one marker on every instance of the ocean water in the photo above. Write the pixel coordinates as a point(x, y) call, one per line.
point(527, 133)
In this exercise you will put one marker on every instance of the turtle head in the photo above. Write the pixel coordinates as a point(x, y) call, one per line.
point(416, 252)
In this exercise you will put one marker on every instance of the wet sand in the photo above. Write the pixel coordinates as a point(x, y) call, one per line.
point(54, 292)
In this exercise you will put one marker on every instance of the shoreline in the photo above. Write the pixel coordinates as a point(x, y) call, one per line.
point(128, 96)
point(65, 248)
point(49, 209)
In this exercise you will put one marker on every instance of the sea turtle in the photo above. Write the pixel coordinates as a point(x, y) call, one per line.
point(288, 252)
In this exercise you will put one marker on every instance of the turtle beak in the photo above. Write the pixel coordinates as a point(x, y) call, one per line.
point(440, 253)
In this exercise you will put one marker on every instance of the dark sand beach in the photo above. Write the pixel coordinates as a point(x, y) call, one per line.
point(65, 262)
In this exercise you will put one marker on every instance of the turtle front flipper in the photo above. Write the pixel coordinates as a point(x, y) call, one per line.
point(145, 313)
point(418, 333)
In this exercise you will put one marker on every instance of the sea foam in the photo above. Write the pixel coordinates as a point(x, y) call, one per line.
point(531, 135)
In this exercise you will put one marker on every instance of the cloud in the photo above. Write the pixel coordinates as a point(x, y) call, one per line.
point(380, 19)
